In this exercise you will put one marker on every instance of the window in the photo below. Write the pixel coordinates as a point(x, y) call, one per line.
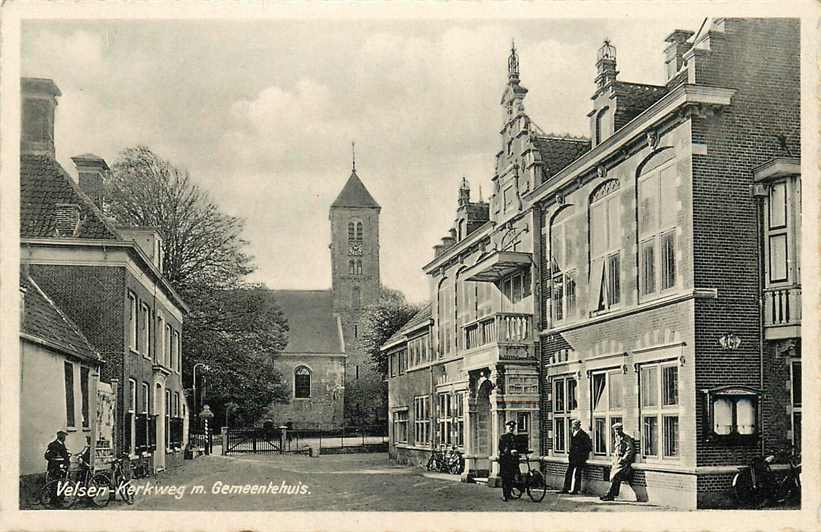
point(132, 321)
point(166, 356)
point(68, 368)
point(562, 266)
point(403, 361)
point(84, 391)
point(458, 427)
point(394, 364)
point(400, 426)
point(606, 392)
point(167, 419)
point(302, 383)
point(658, 386)
point(178, 345)
point(732, 414)
point(515, 289)
point(564, 402)
point(447, 333)
point(509, 196)
point(355, 266)
point(658, 218)
point(145, 330)
point(159, 349)
point(778, 249)
point(443, 416)
point(605, 247)
point(419, 351)
point(795, 389)
point(421, 420)
point(132, 409)
point(355, 231)
point(145, 398)
point(177, 404)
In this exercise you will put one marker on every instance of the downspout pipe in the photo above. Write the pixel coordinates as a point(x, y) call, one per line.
point(759, 205)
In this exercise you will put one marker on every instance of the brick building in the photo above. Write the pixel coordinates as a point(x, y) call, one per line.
point(109, 281)
point(663, 261)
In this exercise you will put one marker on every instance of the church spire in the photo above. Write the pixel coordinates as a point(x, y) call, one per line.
point(353, 157)
point(513, 63)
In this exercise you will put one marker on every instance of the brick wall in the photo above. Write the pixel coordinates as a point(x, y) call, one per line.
point(760, 59)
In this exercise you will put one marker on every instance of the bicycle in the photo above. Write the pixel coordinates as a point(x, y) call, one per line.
point(755, 485)
point(65, 492)
point(142, 468)
point(120, 477)
point(531, 481)
point(455, 462)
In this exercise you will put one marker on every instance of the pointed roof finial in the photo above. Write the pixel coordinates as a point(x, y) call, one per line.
point(353, 156)
point(513, 62)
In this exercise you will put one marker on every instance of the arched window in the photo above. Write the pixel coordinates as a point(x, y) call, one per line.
point(359, 232)
point(445, 317)
point(302, 383)
point(562, 265)
point(605, 246)
point(658, 218)
point(351, 231)
point(358, 267)
point(352, 267)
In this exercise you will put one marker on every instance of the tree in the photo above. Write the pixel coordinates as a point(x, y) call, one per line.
point(236, 332)
point(202, 246)
point(381, 320)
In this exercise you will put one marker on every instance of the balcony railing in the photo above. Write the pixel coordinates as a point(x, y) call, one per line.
point(499, 328)
point(782, 306)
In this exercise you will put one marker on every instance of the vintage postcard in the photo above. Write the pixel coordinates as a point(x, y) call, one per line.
point(304, 263)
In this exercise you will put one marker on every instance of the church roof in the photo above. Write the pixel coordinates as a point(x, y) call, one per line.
point(312, 325)
point(354, 194)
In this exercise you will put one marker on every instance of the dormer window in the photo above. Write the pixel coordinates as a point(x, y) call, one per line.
point(602, 125)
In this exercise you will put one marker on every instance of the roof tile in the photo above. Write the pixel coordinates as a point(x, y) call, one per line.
point(312, 325)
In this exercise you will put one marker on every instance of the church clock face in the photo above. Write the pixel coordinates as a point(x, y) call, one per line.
point(355, 248)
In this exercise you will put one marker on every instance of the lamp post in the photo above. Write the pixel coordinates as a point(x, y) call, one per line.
point(205, 367)
point(206, 415)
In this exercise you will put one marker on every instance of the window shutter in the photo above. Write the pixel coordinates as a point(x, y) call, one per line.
point(596, 278)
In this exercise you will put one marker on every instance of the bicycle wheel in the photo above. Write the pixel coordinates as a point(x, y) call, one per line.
point(431, 464)
point(746, 494)
point(516, 489)
point(124, 487)
point(55, 496)
point(789, 490)
point(100, 490)
point(455, 468)
point(536, 486)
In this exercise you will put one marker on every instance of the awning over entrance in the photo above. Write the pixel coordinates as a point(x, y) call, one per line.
point(498, 265)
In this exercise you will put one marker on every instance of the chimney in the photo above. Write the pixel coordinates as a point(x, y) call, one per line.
point(90, 170)
point(606, 65)
point(674, 52)
point(437, 250)
point(67, 219)
point(39, 99)
point(447, 241)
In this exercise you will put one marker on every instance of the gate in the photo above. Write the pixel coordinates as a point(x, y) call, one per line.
point(262, 441)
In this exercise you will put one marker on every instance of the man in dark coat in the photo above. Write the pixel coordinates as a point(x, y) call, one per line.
point(623, 453)
point(508, 459)
point(57, 454)
point(580, 447)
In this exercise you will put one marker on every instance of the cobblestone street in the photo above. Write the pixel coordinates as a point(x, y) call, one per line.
point(347, 482)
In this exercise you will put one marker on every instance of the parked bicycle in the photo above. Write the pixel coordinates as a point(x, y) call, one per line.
point(437, 461)
point(531, 481)
point(142, 467)
point(455, 461)
point(120, 477)
point(756, 485)
point(77, 485)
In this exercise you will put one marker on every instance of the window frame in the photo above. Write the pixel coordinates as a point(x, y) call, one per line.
point(133, 322)
point(608, 288)
point(654, 236)
point(661, 411)
point(400, 421)
point(85, 390)
point(733, 394)
point(421, 421)
point(563, 413)
point(301, 387)
point(609, 415)
point(69, 395)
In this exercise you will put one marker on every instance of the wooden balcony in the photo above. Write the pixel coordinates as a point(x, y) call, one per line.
point(782, 312)
point(504, 335)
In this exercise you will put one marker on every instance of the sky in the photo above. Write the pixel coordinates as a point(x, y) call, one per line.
point(263, 113)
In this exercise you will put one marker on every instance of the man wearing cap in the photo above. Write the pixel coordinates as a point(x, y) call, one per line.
point(580, 447)
point(57, 454)
point(623, 453)
point(508, 459)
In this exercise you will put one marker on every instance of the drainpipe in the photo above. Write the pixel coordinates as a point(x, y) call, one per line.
point(760, 244)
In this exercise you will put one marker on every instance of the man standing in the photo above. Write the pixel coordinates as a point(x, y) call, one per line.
point(580, 447)
point(508, 459)
point(57, 455)
point(623, 453)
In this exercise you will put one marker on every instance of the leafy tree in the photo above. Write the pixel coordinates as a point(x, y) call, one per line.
point(236, 332)
point(381, 320)
point(202, 245)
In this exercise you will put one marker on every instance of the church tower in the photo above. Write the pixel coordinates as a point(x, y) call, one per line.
point(354, 217)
